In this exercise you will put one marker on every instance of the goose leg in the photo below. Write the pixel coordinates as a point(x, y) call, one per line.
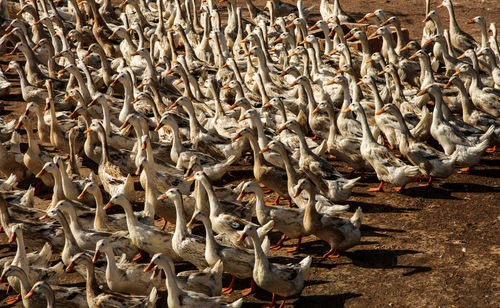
point(332, 253)
point(290, 204)
point(273, 301)
point(491, 150)
point(428, 184)
point(400, 188)
point(164, 224)
point(13, 300)
point(276, 202)
point(283, 302)
point(230, 288)
point(279, 244)
point(247, 291)
point(379, 188)
point(297, 247)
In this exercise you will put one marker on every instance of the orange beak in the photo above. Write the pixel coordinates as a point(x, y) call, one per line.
point(297, 193)
point(97, 254)
point(88, 130)
point(41, 173)
point(456, 73)
point(292, 84)
point(316, 110)
point(282, 128)
point(173, 106)
point(242, 237)
point(160, 125)
point(12, 237)
point(264, 150)
point(191, 179)
point(424, 91)
point(108, 205)
point(359, 83)
point(149, 267)
point(279, 39)
point(315, 26)
point(29, 295)
point(440, 5)
point(447, 85)
point(80, 196)
point(162, 197)
point(330, 82)
point(380, 111)
point(241, 195)
point(346, 110)
point(404, 48)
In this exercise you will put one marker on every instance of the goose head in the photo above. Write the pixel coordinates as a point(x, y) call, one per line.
point(120, 200)
point(291, 125)
point(16, 231)
point(49, 167)
point(90, 187)
point(79, 259)
point(197, 216)
point(172, 194)
point(432, 89)
point(40, 287)
point(101, 246)
point(244, 132)
point(304, 185)
point(248, 231)
point(393, 21)
point(248, 187)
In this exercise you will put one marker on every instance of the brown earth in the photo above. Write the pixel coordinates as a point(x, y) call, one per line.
point(431, 247)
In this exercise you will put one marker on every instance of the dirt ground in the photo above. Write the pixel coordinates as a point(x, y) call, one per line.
point(429, 247)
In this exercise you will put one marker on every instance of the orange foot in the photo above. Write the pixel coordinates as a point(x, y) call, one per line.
point(164, 224)
point(491, 150)
point(230, 288)
point(13, 300)
point(315, 137)
point(279, 245)
point(466, 169)
point(276, 202)
point(428, 184)
point(249, 290)
point(378, 189)
point(332, 253)
point(400, 188)
point(137, 256)
point(297, 247)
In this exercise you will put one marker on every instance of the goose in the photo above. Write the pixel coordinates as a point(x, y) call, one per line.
point(329, 180)
point(387, 166)
point(339, 233)
point(284, 280)
point(459, 38)
point(180, 298)
point(97, 298)
point(124, 277)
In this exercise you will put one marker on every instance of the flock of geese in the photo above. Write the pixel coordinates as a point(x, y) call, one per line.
point(157, 95)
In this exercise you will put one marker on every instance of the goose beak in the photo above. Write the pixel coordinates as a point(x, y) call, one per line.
point(232, 106)
point(293, 84)
point(448, 84)
point(316, 110)
point(162, 197)
point(173, 106)
point(283, 74)
point(170, 71)
point(440, 5)
point(191, 179)
point(289, 26)
point(293, 53)
point(461, 56)
point(140, 86)
point(244, 40)
point(338, 71)
point(80, 196)
point(242, 237)
point(160, 125)
point(225, 65)
point(456, 73)
point(431, 103)
point(178, 82)
point(12, 237)
point(333, 51)
point(97, 254)
point(36, 47)
point(424, 91)
point(225, 87)
point(264, 150)
point(139, 170)
point(313, 27)
point(330, 82)
point(279, 39)
point(352, 38)
point(298, 192)
point(112, 36)
point(241, 195)
point(43, 217)
point(428, 42)
point(374, 34)
point(191, 223)
point(360, 82)
point(362, 19)
point(143, 145)
point(247, 54)
point(88, 130)
point(70, 267)
point(67, 98)
point(123, 4)
point(404, 48)
point(346, 110)
point(30, 294)
point(384, 23)
point(382, 72)
point(413, 56)
point(18, 125)
point(125, 124)
point(282, 128)
point(303, 42)
point(108, 205)
point(426, 19)
point(380, 111)
point(266, 105)
point(243, 118)
point(238, 135)
point(135, 53)
point(41, 173)
point(149, 267)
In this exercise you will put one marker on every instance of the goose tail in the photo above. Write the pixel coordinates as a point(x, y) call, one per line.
point(357, 218)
